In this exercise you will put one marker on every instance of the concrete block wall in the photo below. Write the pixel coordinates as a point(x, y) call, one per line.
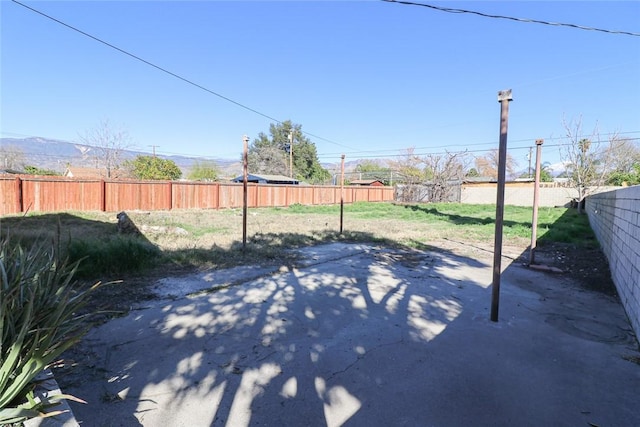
point(615, 220)
point(520, 194)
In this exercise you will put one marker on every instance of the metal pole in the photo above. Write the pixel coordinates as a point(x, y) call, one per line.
point(291, 153)
point(504, 96)
point(536, 192)
point(245, 140)
point(341, 194)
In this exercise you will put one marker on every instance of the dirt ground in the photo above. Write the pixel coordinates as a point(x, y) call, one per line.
point(589, 266)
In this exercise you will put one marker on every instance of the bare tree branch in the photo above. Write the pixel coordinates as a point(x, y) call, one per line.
point(586, 159)
point(110, 143)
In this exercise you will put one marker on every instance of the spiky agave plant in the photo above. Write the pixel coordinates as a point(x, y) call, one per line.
point(39, 320)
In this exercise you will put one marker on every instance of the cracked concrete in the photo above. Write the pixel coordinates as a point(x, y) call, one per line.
point(360, 335)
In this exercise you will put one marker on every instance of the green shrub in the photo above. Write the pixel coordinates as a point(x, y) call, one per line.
point(112, 256)
point(39, 302)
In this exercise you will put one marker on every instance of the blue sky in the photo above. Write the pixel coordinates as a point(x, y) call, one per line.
point(372, 77)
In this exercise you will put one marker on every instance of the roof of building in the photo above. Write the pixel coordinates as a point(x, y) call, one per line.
point(10, 172)
point(267, 179)
point(365, 182)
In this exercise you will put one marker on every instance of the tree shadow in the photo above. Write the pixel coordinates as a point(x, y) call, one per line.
point(463, 220)
point(63, 228)
point(30, 228)
point(358, 334)
point(314, 343)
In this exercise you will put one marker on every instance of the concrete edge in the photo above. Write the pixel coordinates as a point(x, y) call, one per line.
point(46, 388)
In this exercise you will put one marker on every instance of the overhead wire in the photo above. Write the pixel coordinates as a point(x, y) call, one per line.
point(175, 75)
point(532, 140)
point(511, 18)
point(241, 105)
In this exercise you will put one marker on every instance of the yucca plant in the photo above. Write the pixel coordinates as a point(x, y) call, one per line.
point(39, 320)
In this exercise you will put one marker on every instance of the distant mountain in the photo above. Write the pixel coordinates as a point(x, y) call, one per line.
point(58, 155)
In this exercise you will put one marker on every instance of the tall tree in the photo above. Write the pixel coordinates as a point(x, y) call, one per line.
point(411, 175)
point(625, 155)
point(625, 161)
point(151, 167)
point(587, 160)
point(370, 169)
point(272, 154)
point(545, 173)
point(11, 157)
point(487, 165)
point(441, 170)
point(110, 143)
point(204, 171)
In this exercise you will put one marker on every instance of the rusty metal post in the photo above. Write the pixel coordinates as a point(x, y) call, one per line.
point(341, 194)
point(504, 97)
point(245, 140)
point(536, 193)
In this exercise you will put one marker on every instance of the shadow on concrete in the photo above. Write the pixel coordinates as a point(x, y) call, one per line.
point(355, 334)
point(358, 334)
point(296, 347)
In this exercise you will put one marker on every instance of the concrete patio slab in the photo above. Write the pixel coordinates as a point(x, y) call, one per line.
point(359, 335)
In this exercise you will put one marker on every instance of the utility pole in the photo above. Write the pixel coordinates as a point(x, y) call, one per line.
point(154, 150)
point(341, 194)
point(504, 97)
point(245, 149)
point(529, 158)
point(536, 192)
point(291, 153)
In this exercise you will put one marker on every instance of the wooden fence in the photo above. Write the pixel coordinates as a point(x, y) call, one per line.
point(55, 194)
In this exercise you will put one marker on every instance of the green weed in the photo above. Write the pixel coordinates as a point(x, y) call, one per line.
point(113, 256)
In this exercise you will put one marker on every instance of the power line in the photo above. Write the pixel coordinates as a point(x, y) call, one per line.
point(436, 153)
point(164, 70)
point(485, 143)
point(511, 18)
point(374, 154)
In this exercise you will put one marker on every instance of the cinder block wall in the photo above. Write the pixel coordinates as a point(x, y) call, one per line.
point(520, 194)
point(517, 195)
point(615, 219)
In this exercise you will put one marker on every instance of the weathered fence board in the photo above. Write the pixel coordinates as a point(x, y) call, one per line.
point(54, 194)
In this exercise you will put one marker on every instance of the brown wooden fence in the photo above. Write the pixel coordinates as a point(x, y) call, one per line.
point(54, 194)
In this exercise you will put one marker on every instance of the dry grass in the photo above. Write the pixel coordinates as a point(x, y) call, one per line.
point(211, 238)
point(205, 229)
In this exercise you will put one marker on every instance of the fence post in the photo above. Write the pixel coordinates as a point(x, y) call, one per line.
point(170, 194)
point(217, 195)
point(103, 195)
point(341, 193)
point(18, 193)
point(257, 196)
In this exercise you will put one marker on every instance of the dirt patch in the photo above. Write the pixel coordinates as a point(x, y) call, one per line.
point(589, 267)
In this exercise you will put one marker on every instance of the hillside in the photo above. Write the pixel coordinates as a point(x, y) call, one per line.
point(58, 155)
